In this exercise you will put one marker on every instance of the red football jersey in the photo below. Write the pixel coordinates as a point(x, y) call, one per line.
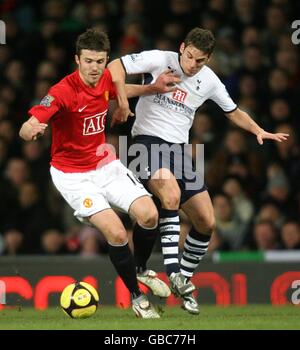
point(77, 114)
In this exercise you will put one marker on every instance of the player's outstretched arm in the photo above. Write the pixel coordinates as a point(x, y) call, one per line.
point(244, 121)
point(32, 129)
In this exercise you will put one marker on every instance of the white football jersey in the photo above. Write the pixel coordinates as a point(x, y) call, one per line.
point(170, 115)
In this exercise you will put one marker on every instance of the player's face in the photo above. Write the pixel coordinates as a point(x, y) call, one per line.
point(91, 65)
point(192, 59)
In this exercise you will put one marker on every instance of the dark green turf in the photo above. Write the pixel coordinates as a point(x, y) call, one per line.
point(111, 318)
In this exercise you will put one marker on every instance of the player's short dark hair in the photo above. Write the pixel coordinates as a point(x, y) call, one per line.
point(202, 39)
point(94, 40)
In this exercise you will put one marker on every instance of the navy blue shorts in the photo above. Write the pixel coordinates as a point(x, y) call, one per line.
point(155, 153)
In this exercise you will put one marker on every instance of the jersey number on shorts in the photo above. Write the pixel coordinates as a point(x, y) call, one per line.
point(134, 179)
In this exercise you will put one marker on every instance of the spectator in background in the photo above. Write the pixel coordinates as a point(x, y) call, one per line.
point(227, 52)
point(287, 59)
point(47, 70)
point(181, 11)
point(56, 53)
point(265, 236)
point(271, 211)
point(3, 157)
point(17, 173)
point(278, 189)
point(288, 155)
point(233, 187)
point(30, 205)
point(278, 85)
point(235, 158)
point(252, 65)
point(40, 90)
point(204, 132)
point(250, 36)
point(164, 43)
point(244, 14)
point(132, 38)
point(53, 242)
point(13, 242)
point(15, 74)
point(276, 24)
point(230, 228)
point(290, 235)
point(37, 160)
point(279, 113)
point(8, 133)
point(92, 242)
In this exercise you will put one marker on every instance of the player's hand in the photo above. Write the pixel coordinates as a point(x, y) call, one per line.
point(38, 130)
point(166, 82)
point(121, 115)
point(264, 135)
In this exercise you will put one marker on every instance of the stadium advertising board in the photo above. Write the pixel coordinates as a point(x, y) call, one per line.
point(39, 281)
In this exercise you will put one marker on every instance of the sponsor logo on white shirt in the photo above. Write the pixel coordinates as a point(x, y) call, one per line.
point(179, 95)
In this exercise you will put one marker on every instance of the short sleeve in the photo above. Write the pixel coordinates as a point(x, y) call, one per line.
point(222, 98)
point(144, 62)
point(48, 107)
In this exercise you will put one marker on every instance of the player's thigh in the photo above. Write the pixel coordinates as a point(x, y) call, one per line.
point(80, 192)
point(108, 222)
point(163, 185)
point(124, 188)
point(200, 211)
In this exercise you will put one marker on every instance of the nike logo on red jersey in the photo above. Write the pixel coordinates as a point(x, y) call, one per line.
point(81, 109)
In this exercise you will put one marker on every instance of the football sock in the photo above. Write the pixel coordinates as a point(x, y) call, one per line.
point(169, 228)
point(123, 261)
point(143, 240)
point(195, 247)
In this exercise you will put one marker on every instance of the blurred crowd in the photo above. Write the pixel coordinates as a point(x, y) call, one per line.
point(255, 189)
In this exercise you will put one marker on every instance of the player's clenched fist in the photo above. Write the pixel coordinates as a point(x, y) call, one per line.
point(32, 129)
point(166, 81)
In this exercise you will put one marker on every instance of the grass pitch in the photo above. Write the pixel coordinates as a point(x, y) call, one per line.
point(251, 317)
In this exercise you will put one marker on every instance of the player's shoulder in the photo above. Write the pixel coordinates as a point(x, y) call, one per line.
point(208, 71)
point(66, 84)
point(106, 78)
point(65, 90)
point(210, 75)
point(158, 54)
point(164, 53)
point(106, 73)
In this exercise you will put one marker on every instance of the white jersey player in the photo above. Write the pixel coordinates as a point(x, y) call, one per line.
point(166, 119)
point(170, 115)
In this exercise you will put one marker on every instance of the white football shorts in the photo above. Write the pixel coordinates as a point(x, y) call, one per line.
point(111, 186)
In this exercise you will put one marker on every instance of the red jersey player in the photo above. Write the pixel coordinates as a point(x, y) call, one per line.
point(77, 108)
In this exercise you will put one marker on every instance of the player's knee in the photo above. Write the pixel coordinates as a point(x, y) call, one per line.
point(119, 238)
point(171, 200)
point(206, 225)
point(210, 225)
point(149, 219)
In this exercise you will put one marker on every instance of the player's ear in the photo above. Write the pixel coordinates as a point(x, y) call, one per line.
point(77, 59)
point(181, 48)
